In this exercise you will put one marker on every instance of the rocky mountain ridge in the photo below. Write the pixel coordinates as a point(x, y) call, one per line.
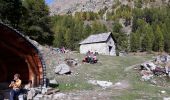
point(71, 6)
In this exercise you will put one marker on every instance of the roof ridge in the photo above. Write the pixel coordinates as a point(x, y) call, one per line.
point(96, 38)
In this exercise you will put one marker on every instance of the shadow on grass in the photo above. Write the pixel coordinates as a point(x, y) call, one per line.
point(72, 86)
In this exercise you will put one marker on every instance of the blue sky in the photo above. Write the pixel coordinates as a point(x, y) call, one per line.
point(49, 1)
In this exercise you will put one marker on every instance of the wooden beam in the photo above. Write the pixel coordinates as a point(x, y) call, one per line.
point(12, 39)
point(33, 67)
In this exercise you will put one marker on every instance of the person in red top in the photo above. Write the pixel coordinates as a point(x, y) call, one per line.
point(15, 85)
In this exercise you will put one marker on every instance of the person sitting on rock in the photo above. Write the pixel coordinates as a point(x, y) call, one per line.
point(95, 58)
point(15, 85)
point(86, 59)
point(63, 50)
point(91, 57)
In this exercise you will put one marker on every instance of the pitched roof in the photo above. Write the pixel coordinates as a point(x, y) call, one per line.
point(102, 37)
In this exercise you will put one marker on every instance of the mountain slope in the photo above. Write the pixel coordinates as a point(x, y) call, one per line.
point(72, 6)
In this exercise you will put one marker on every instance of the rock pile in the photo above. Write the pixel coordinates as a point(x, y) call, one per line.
point(41, 93)
point(159, 67)
point(55, 96)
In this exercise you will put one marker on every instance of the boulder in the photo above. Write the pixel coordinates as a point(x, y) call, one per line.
point(58, 96)
point(162, 59)
point(53, 81)
point(48, 97)
point(38, 97)
point(58, 69)
point(154, 82)
point(163, 92)
point(62, 69)
point(124, 84)
point(146, 77)
point(167, 68)
point(145, 72)
point(144, 66)
point(31, 93)
point(168, 58)
point(72, 62)
point(104, 84)
point(151, 65)
point(166, 98)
